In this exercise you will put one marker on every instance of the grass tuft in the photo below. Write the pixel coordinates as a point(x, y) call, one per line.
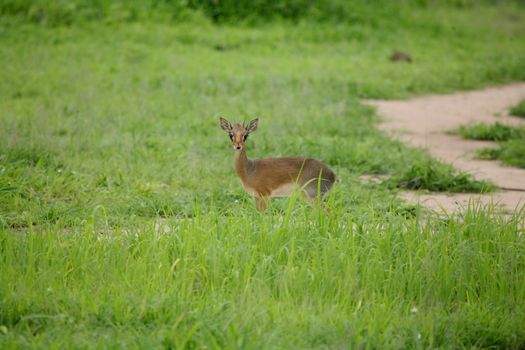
point(511, 142)
point(511, 153)
point(495, 132)
point(439, 177)
point(518, 110)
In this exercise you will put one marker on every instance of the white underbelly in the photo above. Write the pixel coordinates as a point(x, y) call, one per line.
point(250, 191)
point(285, 190)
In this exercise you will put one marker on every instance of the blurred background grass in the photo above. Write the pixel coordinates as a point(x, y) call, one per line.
point(375, 14)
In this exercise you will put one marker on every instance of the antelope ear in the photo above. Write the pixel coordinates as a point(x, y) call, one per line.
point(225, 125)
point(252, 126)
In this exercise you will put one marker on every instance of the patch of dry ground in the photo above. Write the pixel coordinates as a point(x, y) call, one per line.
point(424, 122)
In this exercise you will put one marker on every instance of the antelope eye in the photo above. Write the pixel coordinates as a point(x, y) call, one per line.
point(231, 136)
point(244, 138)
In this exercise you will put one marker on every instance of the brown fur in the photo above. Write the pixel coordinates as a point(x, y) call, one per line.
point(265, 176)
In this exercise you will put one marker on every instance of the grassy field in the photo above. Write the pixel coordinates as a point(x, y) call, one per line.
point(123, 224)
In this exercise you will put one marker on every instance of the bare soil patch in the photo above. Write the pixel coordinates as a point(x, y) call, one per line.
point(425, 122)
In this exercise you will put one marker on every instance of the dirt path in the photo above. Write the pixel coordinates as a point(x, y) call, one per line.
point(424, 122)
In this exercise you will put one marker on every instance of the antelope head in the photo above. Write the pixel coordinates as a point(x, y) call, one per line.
point(239, 133)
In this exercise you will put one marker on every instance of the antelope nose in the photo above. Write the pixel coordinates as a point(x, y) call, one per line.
point(237, 147)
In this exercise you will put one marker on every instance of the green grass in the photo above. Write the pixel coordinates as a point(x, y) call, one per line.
point(360, 12)
point(518, 110)
point(245, 280)
point(130, 111)
point(511, 142)
point(110, 134)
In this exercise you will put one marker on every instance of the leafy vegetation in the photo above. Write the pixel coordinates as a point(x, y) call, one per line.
point(123, 224)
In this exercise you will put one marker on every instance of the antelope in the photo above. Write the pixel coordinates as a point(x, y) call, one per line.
point(275, 177)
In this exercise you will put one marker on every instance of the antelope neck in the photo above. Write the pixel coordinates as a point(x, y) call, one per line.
point(242, 164)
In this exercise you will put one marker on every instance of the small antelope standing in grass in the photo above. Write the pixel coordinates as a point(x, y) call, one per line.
point(276, 177)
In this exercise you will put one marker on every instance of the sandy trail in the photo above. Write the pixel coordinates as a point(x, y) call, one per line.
point(424, 122)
